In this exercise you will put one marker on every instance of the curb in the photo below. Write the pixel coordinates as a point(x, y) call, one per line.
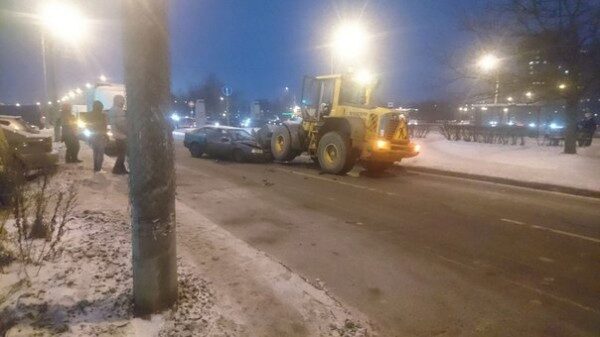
point(507, 181)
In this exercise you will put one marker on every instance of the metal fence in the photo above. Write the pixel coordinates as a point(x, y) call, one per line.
point(497, 134)
point(501, 134)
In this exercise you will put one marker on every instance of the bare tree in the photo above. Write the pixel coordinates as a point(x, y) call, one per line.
point(562, 40)
point(152, 178)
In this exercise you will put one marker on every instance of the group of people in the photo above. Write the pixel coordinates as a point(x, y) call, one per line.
point(97, 125)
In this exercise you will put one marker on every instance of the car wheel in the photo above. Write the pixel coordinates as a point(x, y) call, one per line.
point(196, 150)
point(281, 144)
point(335, 154)
point(238, 156)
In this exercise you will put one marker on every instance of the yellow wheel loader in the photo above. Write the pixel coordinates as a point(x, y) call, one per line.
point(340, 127)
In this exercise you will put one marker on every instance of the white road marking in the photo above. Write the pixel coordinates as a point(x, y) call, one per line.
point(557, 231)
point(546, 259)
point(520, 285)
point(514, 221)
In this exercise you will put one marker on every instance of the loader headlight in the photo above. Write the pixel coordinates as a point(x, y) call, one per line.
point(382, 144)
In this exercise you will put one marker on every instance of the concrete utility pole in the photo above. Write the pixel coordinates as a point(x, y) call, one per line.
point(150, 150)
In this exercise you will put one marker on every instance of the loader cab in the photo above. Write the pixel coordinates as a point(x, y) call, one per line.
point(321, 95)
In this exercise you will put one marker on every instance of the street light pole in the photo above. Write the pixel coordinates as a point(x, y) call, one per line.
point(151, 155)
point(497, 89)
point(49, 71)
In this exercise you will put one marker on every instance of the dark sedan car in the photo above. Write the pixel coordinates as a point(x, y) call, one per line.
point(224, 142)
point(31, 149)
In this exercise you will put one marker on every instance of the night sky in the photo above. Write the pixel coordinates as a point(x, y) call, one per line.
point(256, 46)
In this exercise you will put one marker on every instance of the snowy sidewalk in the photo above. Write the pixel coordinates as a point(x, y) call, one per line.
point(530, 163)
point(227, 288)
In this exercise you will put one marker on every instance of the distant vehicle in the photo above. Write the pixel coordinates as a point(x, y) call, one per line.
point(224, 142)
point(105, 93)
point(31, 114)
point(31, 149)
point(184, 122)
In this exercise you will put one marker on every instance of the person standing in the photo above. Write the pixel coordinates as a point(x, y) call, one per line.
point(588, 127)
point(97, 124)
point(69, 134)
point(118, 124)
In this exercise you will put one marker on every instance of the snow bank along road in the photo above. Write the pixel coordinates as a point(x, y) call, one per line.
point(421, 255)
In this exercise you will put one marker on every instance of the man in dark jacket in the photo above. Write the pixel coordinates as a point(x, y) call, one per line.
point(69, 133)
point(97, 127)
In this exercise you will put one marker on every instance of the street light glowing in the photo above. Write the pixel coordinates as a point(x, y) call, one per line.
point(488, 62)
point(18, 104)
point(562, 86)
point(509, 98)
point(63, 20)
point(529, 94)
point(38, 103)
point(49, 102)
point(102, 78)
point(350, 40)
point(88, 85)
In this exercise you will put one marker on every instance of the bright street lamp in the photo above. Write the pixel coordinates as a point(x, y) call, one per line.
point(529, 94)
point(102, 78)
point(63, 20)
point(350, 43)
point(488, 62)
point(509, 98)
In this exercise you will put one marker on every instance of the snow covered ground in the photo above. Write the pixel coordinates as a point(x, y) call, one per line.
point(227, 288)
point(531, 163)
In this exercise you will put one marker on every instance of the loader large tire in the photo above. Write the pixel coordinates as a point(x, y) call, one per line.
point(335, 154)
point(281, 144)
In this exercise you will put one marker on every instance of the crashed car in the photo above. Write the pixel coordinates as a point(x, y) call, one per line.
point(31, 149)
point(224, 142)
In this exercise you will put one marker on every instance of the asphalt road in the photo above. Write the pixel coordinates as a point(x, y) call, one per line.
point(420, 254)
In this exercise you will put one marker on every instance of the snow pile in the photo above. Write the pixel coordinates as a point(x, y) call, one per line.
point(531, 162)
point(86, 291)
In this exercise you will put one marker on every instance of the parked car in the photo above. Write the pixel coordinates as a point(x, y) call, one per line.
point(224, 142)
point(31, 149)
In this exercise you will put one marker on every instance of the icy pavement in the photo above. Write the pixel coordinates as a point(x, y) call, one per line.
point(531, 163)
point(226, 287)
